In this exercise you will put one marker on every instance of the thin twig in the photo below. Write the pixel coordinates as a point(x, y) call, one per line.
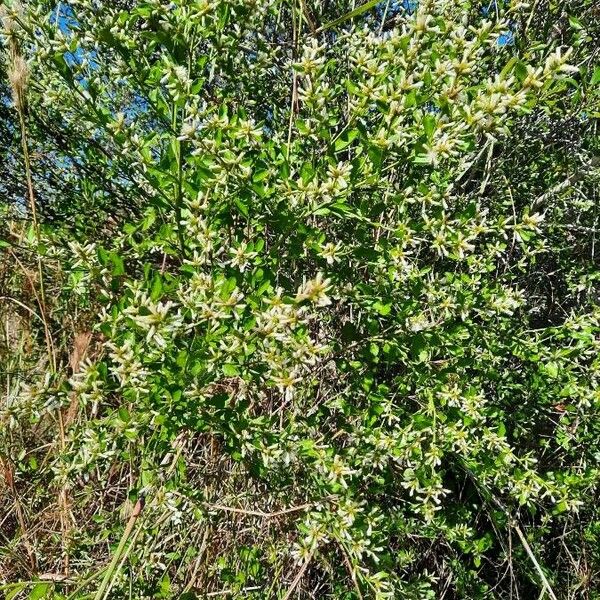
point(536, 564)
point(298, 577)
point(351, 571)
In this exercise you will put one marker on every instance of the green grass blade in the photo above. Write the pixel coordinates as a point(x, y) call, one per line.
point(353, 13)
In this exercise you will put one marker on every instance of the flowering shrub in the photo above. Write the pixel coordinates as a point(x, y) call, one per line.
point(308, 242)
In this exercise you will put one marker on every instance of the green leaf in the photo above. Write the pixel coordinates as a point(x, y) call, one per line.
point(561, 507)
point(508, 67)
point(520, 70)
point(230, 370)
point(302, 127)
point(429, 123)
point(157, 287)
point(243, 208)
point(382, 309)
point(15, 591)
point(39, 591)
point(595, 77)
point(307, 172)
point(421, 159)
point(419, 348)
point(260, 174)
point(346, 139)
point(118, 264)
point(575, 22)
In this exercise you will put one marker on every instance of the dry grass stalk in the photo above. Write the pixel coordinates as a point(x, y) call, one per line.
point(8, 471)
point(18, 76)
point(81, 344)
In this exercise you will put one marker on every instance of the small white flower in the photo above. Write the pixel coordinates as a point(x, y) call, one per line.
point(330, 252)
point(286, 384)
point(315, 290)
point(339, 175)
point(241, 256)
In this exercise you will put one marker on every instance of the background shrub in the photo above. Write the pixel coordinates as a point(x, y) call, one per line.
point(301, 300)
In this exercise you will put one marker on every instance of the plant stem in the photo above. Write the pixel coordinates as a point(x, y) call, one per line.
point(36, 228)
point(102, 590)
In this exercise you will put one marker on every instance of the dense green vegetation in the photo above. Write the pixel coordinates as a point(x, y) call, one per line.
point(299, 299)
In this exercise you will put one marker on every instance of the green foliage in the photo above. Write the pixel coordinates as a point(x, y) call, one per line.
point(339, 266)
